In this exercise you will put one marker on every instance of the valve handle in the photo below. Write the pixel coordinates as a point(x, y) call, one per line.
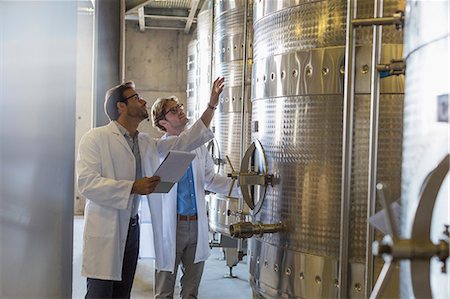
point(382, 280)
point(420, 268)
point(386, 202)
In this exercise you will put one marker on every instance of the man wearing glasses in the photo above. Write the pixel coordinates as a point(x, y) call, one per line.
point(180, 224)
point(115, 164)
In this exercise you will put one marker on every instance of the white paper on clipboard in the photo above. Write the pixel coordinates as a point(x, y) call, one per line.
point(171, 169)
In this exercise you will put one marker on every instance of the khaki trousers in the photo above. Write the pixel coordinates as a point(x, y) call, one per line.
point(192, 273)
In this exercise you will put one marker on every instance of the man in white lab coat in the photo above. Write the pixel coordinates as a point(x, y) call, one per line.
point(180, 224)
point(114, 168)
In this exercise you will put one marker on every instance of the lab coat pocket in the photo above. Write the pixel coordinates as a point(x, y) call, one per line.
point(101, 221)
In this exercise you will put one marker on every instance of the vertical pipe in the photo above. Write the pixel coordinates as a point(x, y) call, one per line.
point(373, 143)
point(347, 141)
point(122, 41)
point(243, 111)
point(211, 67)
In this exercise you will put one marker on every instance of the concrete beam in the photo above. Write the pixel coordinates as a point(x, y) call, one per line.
point(192, 12)
point(133, 5)
point(141, 17)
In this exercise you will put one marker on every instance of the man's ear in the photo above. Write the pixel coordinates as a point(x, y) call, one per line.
point(120, 106)
point(163, 122)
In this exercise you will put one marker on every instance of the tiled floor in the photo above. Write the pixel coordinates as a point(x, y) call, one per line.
point(213, 285)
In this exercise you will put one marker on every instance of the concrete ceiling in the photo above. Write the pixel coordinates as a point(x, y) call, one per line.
point(163, 14)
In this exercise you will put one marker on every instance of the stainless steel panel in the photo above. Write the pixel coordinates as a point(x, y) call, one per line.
point(302, 139)
point(37, 147)
point(289, 26)
point(220, 221)
point(311, 25)
point(297, 102)
point(192, 82)
point(277, 272)
point(426, 133)
point(229, 143)
point(389, 162)
point(229, 47)
point(204, 31)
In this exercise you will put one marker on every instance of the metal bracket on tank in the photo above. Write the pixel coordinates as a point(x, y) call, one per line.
point(419, 249)
point(397, 19)
point(395, 68)
point(252, 175)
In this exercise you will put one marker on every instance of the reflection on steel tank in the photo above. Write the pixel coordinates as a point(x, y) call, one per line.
point(297, 112)
point(204, 55)
point(232, 46)
point(425, 143)
point(191, 89)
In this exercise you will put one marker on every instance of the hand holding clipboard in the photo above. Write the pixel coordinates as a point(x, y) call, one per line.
point(171, 169)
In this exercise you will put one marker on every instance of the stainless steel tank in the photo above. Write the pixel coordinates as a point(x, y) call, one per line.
point(425, 141)
point(297, 102)
point(192, 82)
point(204, 58)
point(232, 45)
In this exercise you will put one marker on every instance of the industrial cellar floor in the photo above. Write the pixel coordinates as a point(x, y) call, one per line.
point(213, 285)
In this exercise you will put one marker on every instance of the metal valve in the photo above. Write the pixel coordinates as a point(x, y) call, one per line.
point(418, 249)
point(395, 67)
point(247, 229)
point(410, 249)
point(399, 19)
point(254, 175)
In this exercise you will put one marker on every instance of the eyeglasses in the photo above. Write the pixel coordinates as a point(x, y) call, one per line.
point(135, 96)
point(175, 109)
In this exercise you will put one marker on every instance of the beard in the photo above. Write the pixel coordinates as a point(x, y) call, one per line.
point(141, 113)
point(145, 114)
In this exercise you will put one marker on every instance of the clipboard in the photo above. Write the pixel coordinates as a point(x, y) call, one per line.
point(171, 169)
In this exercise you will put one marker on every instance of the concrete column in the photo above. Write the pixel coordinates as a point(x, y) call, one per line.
point(107, 54)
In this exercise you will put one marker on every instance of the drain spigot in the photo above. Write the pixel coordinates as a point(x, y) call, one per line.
point(247, 229)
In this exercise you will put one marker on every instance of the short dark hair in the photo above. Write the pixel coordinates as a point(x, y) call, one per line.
point(114, 95)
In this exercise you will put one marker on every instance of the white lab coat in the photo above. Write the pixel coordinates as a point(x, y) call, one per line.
point(164, 211)
point(106, 172)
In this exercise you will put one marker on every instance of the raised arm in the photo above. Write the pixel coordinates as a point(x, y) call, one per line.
point(216, 90)
point(198, 134)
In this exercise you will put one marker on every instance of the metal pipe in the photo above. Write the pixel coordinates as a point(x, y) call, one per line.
point(122, 41)
point(245, 230)
point(173, 18)
point(411, 249)
point(164, 28)
point(396, 19)
point(373, 143)
point(243, 112)
point(347, 141)
point(211, 67)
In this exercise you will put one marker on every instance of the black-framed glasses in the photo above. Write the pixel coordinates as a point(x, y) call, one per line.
point(135, 96)
point(174, 109)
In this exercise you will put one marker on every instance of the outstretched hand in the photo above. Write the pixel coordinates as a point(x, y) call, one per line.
point(217, 89)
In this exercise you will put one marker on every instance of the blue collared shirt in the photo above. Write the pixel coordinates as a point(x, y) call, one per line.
point(186, 202)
